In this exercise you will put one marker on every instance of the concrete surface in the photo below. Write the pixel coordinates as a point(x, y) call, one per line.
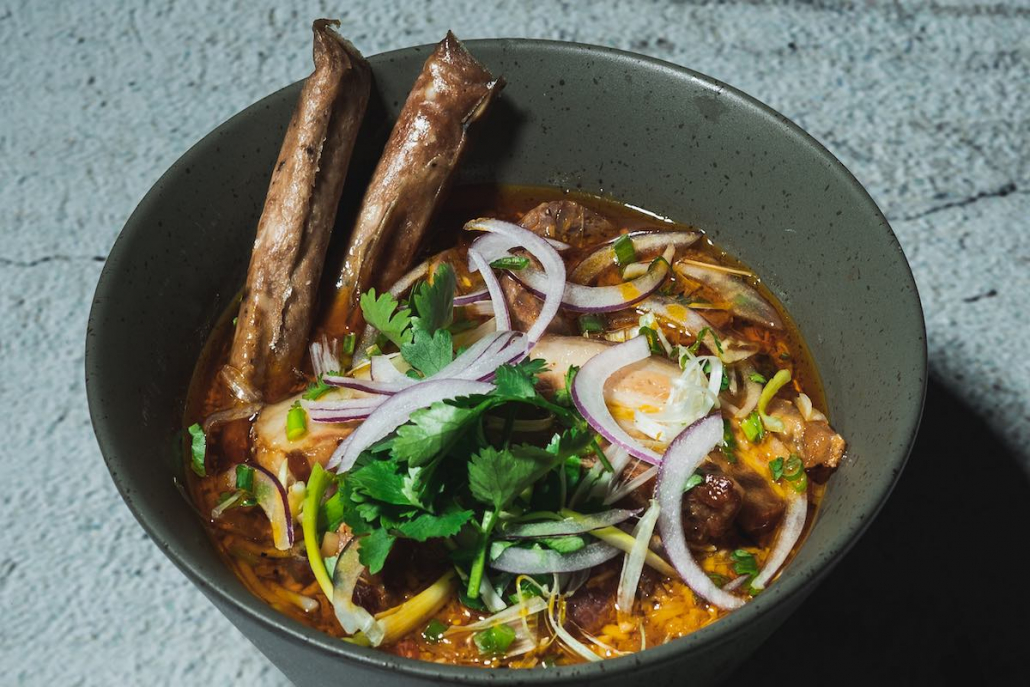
point(927, 103)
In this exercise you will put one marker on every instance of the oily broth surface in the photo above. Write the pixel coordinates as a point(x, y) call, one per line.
point(665, 609)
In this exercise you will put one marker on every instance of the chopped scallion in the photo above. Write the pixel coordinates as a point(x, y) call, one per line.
point(624, 251)
point(729, 442)
point(776, 468)
point(591, 323)
point(744, 563)
point(245, 478)
point(434, 631)
point(510, 262)
point(781, 378)
point(494, 641)
point(753, 428)
point(693, 481)
point(348, 343)
point(793, 468)
point(757, 378)
point(296, 422)
point(653, 340)
point(198, 448)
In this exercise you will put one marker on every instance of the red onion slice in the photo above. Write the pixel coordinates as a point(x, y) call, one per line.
point(494, 246)
point(557, 528)
point(343, 411)
point(382, 369)
point(271, 497)
point(790, 531)
point(470, 298)
point(477, 263)
point(597, 299)
point(554, 268)
point(475, 362)
point(683, 456)
point(643, 242)
point(540, 561)
point(397, 410)
point(588, 394)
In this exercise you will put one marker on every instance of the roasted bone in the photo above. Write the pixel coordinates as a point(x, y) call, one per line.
point(419, 160)
point(300, 208)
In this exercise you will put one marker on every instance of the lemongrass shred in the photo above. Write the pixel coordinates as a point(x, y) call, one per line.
point(717, 268)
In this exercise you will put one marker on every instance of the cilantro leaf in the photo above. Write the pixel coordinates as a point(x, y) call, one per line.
point(427, 526)
point(374, 548)
point(379, 312)
point(430, 431)
point(496, 477)
point(435, 302)
point(318, 388)
point(518, 381)
point(380, 480)
point(429, 353)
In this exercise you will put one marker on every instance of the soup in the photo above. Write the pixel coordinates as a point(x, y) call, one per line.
point(523, 427)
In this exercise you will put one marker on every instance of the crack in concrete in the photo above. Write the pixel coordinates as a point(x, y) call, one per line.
point(10, 262)
point(1006, 190)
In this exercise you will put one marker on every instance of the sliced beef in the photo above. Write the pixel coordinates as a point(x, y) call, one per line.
point(593, 605)
point(372, 595)
point(762, 509)
point(568, 221)
point(524, 308)
point(813, 440)
point(710, 508)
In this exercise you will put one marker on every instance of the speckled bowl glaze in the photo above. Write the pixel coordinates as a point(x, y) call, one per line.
point(643, 131)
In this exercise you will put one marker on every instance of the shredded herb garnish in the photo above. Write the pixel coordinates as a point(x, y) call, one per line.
point(696, 346)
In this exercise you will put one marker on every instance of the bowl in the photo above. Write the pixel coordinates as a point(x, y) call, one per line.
point(644, 131)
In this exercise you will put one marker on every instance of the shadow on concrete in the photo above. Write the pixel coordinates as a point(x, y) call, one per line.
point(935, 593)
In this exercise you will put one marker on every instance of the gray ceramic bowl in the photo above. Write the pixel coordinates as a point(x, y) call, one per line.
point(644, 131)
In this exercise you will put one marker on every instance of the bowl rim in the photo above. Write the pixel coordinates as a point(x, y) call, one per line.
point(715, 634)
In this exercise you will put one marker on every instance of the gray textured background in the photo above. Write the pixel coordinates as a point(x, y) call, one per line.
point(927, 103)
